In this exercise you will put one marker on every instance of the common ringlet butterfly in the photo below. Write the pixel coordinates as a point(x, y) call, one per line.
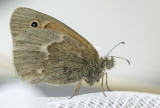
point(46, 50)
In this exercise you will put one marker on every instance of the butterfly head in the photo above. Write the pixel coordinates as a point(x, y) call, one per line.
point(108, 62)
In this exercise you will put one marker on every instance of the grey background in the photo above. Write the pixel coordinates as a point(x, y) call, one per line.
point(104, 23)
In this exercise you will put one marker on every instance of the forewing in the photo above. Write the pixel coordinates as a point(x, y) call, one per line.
point(22, 19)
point(42, 55)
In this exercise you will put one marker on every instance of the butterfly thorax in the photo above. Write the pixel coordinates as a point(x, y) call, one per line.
point(93, 74)
point(96, 71)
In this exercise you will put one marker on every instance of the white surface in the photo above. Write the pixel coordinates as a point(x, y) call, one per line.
point(104, 23)
point(112, 100)
point(15, 94)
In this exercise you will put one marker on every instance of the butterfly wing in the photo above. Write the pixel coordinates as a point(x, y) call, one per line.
point(22, 19)
point(43, 55)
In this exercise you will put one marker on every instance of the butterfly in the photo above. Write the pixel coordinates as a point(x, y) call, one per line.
point(46, 50)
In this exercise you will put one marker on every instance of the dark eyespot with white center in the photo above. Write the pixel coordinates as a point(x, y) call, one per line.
point(34, 24)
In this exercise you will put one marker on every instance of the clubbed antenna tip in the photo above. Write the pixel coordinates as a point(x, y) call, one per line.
point(123, 42)
point(115, 47)
point(128, 61)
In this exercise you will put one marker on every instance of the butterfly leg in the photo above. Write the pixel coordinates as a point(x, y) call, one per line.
point(103, 87)
point(77, 89)
point(105, 73)
point(107, 82)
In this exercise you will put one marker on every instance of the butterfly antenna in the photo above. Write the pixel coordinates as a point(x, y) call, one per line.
point(121, 58)
point(115, 47)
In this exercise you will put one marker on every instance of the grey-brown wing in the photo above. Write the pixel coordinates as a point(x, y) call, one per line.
point(21, 20)
point(42, 55)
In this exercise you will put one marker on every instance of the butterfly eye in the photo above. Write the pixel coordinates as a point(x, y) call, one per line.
point(34, 24)
point(107, 62)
